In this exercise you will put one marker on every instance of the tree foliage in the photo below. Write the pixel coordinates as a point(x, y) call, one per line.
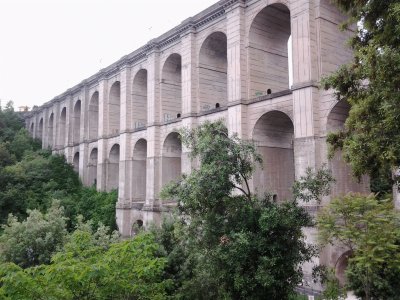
point(252, 247)
point(313, 185)
point(370, 229)
point(10, 122)
point(370, 84)
point(33, 182)
point(33, 241)
point(31, 178)
point(87, 269)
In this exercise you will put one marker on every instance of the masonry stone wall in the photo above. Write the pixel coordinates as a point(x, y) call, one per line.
point(119, 128)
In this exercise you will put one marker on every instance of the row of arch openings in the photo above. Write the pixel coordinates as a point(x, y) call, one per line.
point(268, 67)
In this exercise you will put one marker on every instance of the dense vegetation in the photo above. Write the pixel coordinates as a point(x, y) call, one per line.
point(369, 229)
point(223, 242)
point(31, 178)
point(253, 247)
point(370, 84)
point(227, 243)
point(368, 226)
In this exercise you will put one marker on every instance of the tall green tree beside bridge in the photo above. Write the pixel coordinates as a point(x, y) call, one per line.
point(229, 243)
point(370, 84)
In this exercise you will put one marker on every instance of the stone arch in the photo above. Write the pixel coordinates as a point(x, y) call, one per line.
point(213, 70)
point(268, 52)
point(341, 171)
point(171, 158)
point(63, 127)
point(114, 108)
point(77, 122)
point(171, 88)
point(92, 166)
point(75, 162)
point(139, 171)
point(32, 128)
point(139, 99)
point(341, 266)
point(40, 129)
point(273, 135)
point(51, 130)
point(113, 168)
point(94, 116)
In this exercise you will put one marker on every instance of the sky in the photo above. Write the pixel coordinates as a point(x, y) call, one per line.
point(48, 46)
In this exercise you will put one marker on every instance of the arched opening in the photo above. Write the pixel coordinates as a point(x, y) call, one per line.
point(137, 226)
point(273, 135)
point(171, 158)
point(32, 128)
point(213, 70)
point(40, 129)
point(341, 266)
point(113, 168)
point(139, 171)
point(94, 116)
point(171, 88)
point(75, 162)
point(51, 130)
point(268, 50)
point(92, 166)
point(139, 99)
point(114, 108)
point(341, 171)
point(63, 127)
point(77, 121)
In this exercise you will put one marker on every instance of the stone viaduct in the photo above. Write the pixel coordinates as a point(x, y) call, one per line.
point(256, 64)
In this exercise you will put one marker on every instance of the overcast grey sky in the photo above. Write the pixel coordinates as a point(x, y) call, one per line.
point(48, 46)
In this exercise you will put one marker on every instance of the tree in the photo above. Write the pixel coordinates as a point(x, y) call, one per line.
point(252, 246)
point(370, 229)
point(370, 84)
point(33, 182)
point(34, 240)
point(10, 122)
point(91, 267)
point(30, 178)
point(97, 206)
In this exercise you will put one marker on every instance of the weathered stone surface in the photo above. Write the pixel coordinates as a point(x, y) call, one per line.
point(119, 127)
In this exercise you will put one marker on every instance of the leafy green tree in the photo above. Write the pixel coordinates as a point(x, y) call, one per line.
point(33, 182)
point(313, 185)
point(88, 270)
point(229, 243)
point(370, 84)
point(22, 143)
point(5, 156)
point(97, 206)
point(33, 241)
point(370, 229)
point(10, 122)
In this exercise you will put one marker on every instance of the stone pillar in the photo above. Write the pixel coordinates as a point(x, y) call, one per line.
point(189, 91)
point(69, 128)
point(102, 143)
point(46, 115)
point(103, 99)
point(124, 201)
point(70, 121)
point(83, 147)
point(125, 149)
point(237, 68)
point(82, 161)
point(189, 73)
point(102, 156)
point(305, 106)
point(153, 163)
